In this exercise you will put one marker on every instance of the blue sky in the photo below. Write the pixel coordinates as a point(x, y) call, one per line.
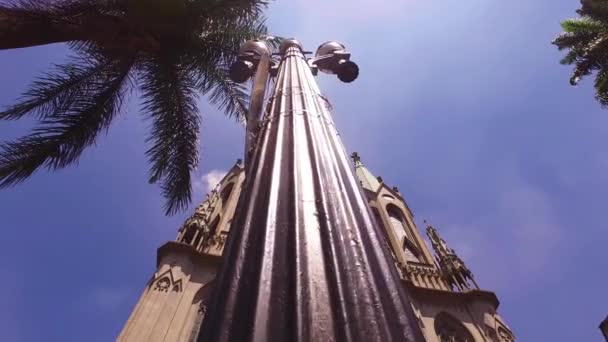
point(495, 149)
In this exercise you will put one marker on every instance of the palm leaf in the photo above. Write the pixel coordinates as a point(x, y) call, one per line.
point(230, 97)
point(170, 101)
point(61, 139)
point(583, 25)
point(601, 86)
point(571, 40)
point(226, 10)
point(590, 59)
point(77, 100)
point(594, 9)
point(52, 94)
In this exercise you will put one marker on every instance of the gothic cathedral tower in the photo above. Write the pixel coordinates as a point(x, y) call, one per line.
point(449, 305)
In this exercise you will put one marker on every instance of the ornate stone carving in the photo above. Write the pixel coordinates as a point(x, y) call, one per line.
point(449, 329)
point(221, 241)
point(163, 284)
point(454, 271)
point(166, 281)
point(504, 335)
point(200, 220)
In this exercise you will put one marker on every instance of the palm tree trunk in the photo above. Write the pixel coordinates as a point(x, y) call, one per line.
point(22, 28)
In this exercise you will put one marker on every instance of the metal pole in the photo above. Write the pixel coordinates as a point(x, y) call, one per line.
point(256, 105)
point(304, 260)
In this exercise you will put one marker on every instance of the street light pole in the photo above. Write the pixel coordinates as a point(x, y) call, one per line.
point(304, 260)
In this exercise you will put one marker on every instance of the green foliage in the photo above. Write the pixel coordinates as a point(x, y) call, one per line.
point(66, 129)
point(170, 99)
point(586, 42)
point(170, 64)
point(594, 9)
point(582, 25)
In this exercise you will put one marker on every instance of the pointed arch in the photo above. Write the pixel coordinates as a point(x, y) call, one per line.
point(214, 224)
point(166, 282)
point(450, 329)
point(383, 230)
point(189, 234)
point(379, 222)
point(199, 306)
point(226, 192)
point(402, 232)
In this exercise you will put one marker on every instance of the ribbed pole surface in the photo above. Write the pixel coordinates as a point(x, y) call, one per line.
point(304, 261)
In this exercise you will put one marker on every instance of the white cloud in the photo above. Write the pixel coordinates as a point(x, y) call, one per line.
point(205, 183)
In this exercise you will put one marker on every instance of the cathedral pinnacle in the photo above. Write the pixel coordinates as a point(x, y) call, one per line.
point(453, 268)
point(357, 159)
point(367, 180)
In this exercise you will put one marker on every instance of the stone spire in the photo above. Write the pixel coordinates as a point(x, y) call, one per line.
point(366, 178)
point(453, 268)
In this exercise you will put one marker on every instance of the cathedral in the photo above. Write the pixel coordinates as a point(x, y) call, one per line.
point(447, 301)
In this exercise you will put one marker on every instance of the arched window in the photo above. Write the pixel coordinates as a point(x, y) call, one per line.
point(189, 234)
point(400, 229)
point(380, 224)
point(449, 329)
point(388, 197)
point(226, 194)
point(382, 228)
point(397, 222)
point(213, 226)
point(204, 238)
point(199, 306)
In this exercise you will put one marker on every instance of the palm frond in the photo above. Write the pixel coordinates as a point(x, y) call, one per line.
point(226, 10)
point(61, 139)
point(572, 40)
point(583, 25)
point(570, 57)
point(221, 41)
point(590, 59)
point(230, 97)
point(209, 59)
point(62, 8)
point(52, 94)
point(170, 101)
point(594, 9)
point(601, 86)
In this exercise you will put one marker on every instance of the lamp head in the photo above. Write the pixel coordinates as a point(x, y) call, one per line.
point(347, 71)
point(332, 58)
point(241, 70)
point(329, 48)
point(254, 46)
point(246, 63)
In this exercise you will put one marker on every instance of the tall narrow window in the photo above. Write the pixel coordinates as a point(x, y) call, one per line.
point(226, 194)
point(213, 226)
point(397, 222)
point(189, 234)
point(400, 230)
point(379, 222)
point(199, 306)
point(382, 228)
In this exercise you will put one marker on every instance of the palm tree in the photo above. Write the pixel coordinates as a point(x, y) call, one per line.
point(586, 39)
point(170, 50)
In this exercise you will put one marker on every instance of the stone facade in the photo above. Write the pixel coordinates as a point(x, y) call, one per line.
point(449, 305)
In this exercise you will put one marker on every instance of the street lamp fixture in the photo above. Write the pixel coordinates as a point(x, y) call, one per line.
point(304, 260)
